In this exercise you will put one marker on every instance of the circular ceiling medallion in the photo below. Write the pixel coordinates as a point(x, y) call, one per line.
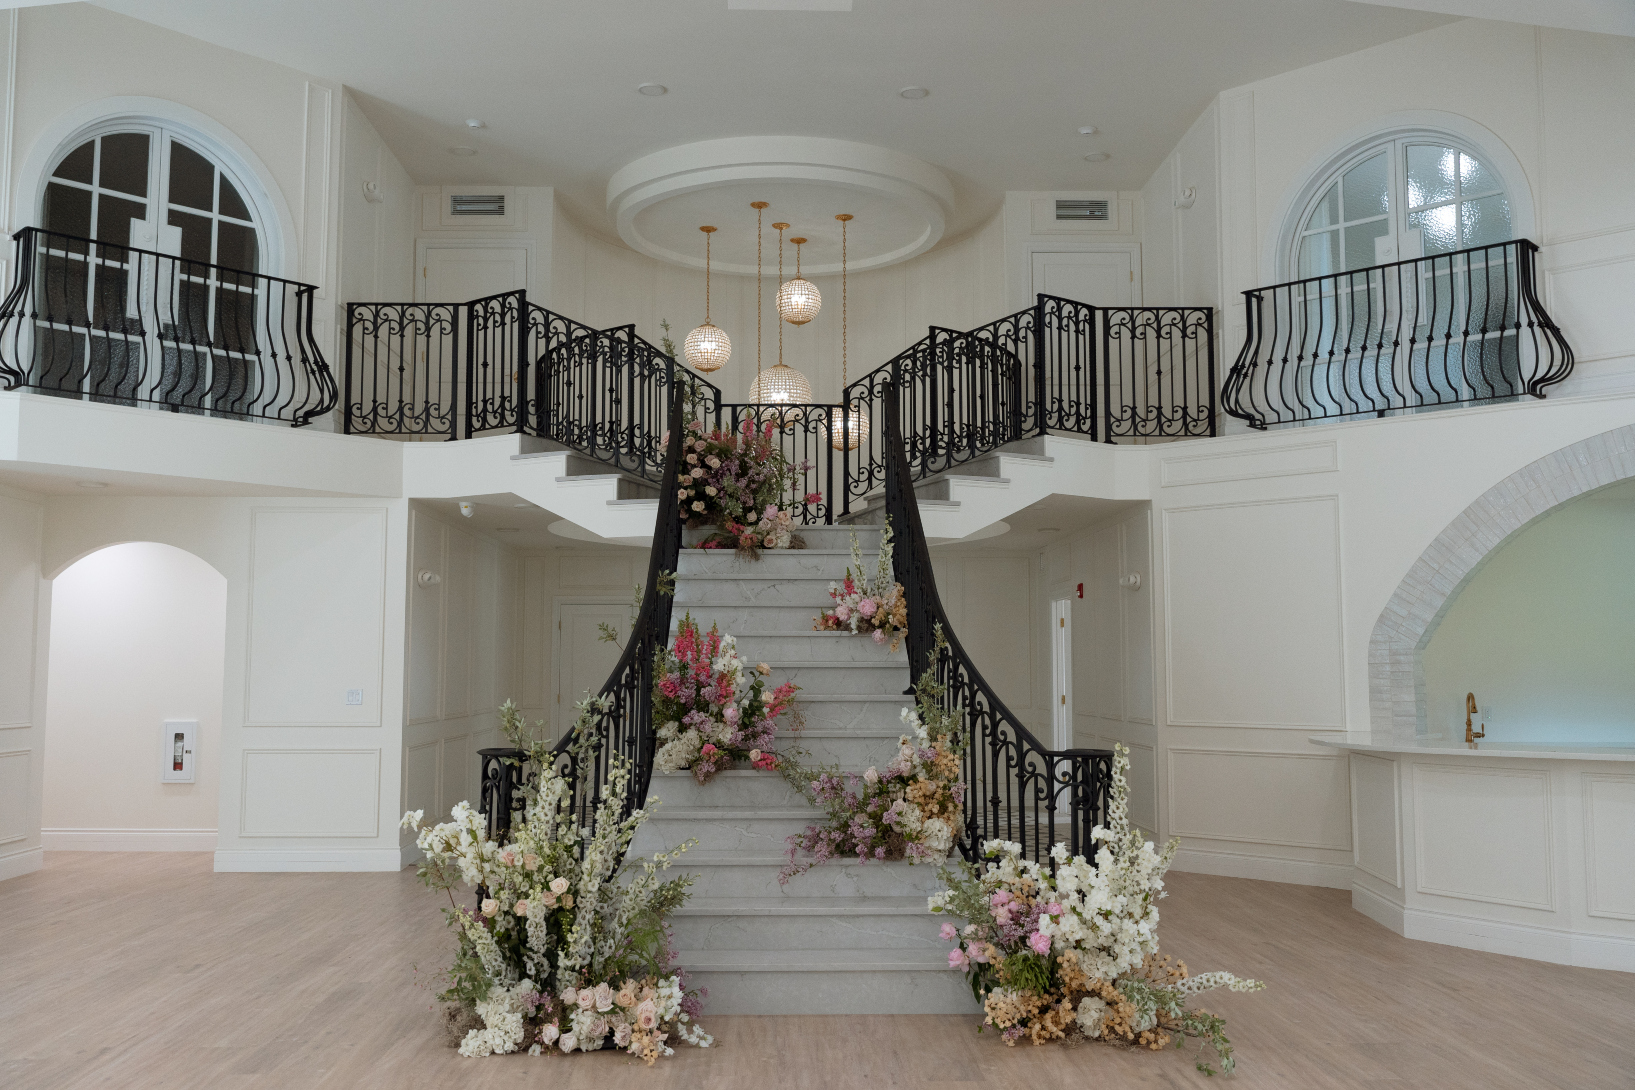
point(901, 204)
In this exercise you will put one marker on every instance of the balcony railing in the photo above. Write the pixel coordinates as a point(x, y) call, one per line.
point(124, 326)
point(1460, 328)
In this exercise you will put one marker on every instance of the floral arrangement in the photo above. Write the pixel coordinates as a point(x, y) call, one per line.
point(736, 481)
point(868, 604)
point(567, 948)
point(912, 810)
point(1075, 953)
point(713, 710)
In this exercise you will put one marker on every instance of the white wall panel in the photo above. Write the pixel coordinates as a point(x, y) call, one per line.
point(426, 554)
point(1253, 617)
point(1376, 817)
point(1293, 799)
point(19, 593)
point(16, 774)
point(316, 598)
point(311, 792)
point(1609, 844)
point(1483, 834)
point(460, 625)
point(421, 764)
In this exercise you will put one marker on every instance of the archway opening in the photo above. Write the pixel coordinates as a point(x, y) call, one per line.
point(133, 702)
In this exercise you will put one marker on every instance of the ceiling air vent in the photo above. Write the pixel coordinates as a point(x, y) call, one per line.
point(1095, 211)
point(493, 204)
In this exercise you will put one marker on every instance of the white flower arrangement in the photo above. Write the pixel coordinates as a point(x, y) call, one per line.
point(868, 604)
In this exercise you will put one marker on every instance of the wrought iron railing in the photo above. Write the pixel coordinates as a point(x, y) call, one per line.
point(1015, 788)
point(124, 326)
point(1460, 328)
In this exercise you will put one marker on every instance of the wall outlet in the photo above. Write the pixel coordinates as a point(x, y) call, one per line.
point(354, 697)
point(179, 745)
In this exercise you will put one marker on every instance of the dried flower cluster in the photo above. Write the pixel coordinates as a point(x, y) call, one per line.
point(740, 482)
point(1076, 952)
point(868, 604)
point(558, 900)
point(713, 710)
point(912, 809)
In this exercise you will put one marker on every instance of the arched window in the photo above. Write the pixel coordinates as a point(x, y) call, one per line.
point(148, 188)
point(1405, 198)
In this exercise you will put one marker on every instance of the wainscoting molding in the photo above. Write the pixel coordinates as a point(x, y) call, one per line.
point(1609, 818)
point(16, 776)
point(1249, 465)
point(1376, 808)
point(20, 863)
point(1224, 824)
point(1508, 833)
point(310, 793)
point(1264, 868)
point(128, 840)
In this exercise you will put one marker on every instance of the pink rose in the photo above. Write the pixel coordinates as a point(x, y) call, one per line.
point(621, 1034)
point(521, 908)
point(731, 715)
point(879, 635)
point(866, 607)
point(843, 612)
point(949, 932)
point(647, 1015)
point(958, 960)
point(1053, 908)
point(1040, 942)
point(490, 906)
point(587, 999)
point(708, 750)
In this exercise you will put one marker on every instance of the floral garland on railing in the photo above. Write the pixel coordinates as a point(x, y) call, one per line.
point(559, 900)
point(868, 604)
point(913, 810)
point(1075, 952)
point(713, 710)
point(737, 481)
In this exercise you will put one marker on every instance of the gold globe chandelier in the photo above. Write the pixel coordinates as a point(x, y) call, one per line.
point(707, 348)
point(854, 429)
point(779, 385)
point(798, 299)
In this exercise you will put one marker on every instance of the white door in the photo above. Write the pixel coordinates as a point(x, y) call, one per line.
point(583, 659)
point(459, 274)
point(1102, 279)
point(1061, 673)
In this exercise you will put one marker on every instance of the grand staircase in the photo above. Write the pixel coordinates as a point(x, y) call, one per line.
point(842, 938)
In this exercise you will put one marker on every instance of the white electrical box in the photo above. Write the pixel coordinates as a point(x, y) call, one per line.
point(180, 750)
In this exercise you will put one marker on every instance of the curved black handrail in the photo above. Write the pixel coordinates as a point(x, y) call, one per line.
point(1015, 788)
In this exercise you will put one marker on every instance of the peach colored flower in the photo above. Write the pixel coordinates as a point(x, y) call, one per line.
point(521, 908)
point(559, 886)
point(490, 906)
point(647, 1015)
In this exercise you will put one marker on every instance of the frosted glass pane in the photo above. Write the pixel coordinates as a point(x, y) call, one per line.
point(1365, 194)
point(1327, 212)
point(1474, 178)
point(1359, 242)
point(1440, 227)
point(1320, 254)
point(1430, 174)
point(1485, 221)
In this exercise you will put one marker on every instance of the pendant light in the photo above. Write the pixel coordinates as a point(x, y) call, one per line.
point(855, 430)
point(780, 385)
point(707, 347)
point(798, 299)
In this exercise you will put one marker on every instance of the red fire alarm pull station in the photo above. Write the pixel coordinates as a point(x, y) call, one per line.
point(1081, 590)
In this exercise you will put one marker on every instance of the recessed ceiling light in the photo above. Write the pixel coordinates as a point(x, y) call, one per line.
point(462, 150)
point(93, 484)
point(476, 123)
point(1097, 157)
point(652, 90)
point(914, 92)
point(1088, 130)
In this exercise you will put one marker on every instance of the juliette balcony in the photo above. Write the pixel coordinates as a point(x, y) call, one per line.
point(124, 326)
point(1462, 328)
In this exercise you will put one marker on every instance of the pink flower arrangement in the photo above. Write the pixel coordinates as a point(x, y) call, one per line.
point(738, 481)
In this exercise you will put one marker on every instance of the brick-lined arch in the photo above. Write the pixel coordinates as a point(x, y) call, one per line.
point(1396, 683)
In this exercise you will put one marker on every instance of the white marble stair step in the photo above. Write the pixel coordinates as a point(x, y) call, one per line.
point(739, 590)
point(741, 788)
point(850, 749)
point(773, 564)
point(852, 711)
point(842, 678)
point(817, 647)
point(839, 538)
point(742, 619)
point(721, 828)
point(807, 923)
point(755, 874)
point(849, 981)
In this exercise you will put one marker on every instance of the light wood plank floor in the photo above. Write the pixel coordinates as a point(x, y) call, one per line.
point(141, 971)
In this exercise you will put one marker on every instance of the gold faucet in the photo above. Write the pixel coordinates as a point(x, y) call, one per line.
point(1470, 710)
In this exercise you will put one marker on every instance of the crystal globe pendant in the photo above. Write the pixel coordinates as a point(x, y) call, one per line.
point(707, 348)
point(780, 385)
point(853, 433)
point(798, 299)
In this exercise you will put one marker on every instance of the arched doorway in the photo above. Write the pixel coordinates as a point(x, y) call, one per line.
point(138, 636)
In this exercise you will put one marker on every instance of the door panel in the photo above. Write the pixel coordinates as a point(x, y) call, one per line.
point(1101, 279)
point(583, 661)
point(458, 274)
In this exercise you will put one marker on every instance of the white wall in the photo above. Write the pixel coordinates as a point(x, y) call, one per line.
point(1543, 633)
point(25, 604)
point(138, 636)
point(376, 237)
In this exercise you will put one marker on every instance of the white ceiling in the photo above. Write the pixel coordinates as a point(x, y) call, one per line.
point(1011, 81)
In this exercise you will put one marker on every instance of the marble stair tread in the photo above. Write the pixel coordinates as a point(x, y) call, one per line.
point(822, 961)
point(805, 906)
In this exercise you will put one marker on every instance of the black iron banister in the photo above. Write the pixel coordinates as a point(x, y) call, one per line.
point(1015, 788)
point(1460, 328)
point(127, 326)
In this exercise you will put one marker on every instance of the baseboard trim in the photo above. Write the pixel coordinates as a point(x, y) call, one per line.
point(1585, 951)
point(128, 840)
point(300, 859)
point(1264, 868)
point(20, 863)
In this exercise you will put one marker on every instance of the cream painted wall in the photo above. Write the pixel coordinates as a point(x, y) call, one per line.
point(138, 636)
point(995, 603)
point(25, 605)
point(376, 238)
point(1544, 633)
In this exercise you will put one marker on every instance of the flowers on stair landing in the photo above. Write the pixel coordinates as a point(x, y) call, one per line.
point(912, 810)
point(712, 708)
point(1072, 951)
point(737, 481)
point(868, 604)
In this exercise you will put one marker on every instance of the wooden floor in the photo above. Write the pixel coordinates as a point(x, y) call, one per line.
point(142, 971)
